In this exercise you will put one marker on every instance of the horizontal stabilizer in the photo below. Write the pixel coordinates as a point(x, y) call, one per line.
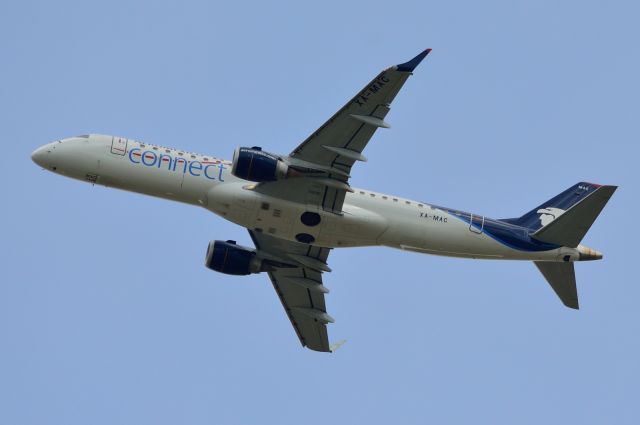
point(569, 227)
point(562, 278)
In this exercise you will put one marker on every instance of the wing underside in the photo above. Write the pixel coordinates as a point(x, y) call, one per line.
point(323, 164)
point(339, 142)
point(300, 288)
point(326, 157)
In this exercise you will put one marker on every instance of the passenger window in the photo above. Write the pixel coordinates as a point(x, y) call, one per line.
point(385, 197)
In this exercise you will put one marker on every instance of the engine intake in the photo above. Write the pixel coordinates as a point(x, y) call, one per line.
point(229, 258)
point(257, 166)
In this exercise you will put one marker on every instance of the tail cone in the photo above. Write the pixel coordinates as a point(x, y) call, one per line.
point(588, 254)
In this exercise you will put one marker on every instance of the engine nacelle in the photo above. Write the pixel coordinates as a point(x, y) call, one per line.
point(257, 166)
point(229, 258)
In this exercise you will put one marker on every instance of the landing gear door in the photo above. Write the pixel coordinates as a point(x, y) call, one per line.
point(118, 146)
point(476, 224)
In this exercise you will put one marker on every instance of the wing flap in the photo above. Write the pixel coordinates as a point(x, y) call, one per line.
point(323, 192)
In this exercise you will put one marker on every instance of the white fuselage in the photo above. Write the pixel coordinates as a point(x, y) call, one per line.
point(368, 219)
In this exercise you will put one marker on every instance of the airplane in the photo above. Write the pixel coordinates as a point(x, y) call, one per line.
point(300, 206)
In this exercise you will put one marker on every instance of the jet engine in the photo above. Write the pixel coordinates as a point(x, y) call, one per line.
point(229, 258)
point(257, 166)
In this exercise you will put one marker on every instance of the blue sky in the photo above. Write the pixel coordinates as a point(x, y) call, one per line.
point(108, 316)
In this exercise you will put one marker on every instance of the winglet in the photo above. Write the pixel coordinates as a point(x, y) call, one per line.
point(333, 347)
point(413, 63)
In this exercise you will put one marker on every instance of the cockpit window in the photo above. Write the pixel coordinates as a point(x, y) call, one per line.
point(83, 136)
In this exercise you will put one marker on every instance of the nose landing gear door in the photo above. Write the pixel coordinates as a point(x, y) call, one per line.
point(118, 146)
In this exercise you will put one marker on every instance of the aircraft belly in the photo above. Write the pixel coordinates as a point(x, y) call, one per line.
point(363, 223)
point(355, 227)
point(281, 218)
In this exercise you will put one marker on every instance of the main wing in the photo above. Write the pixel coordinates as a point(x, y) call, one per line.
point(324, 162)
point(300, 288)
point(325, 158)
point(339, 143)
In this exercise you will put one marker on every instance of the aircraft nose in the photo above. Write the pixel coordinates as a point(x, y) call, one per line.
point(39, 156)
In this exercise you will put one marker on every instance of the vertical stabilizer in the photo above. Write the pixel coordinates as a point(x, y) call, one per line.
point(553, 208)
point(569, 227)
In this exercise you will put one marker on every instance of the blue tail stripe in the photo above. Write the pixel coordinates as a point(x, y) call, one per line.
point(532, 220)
point(514, 237)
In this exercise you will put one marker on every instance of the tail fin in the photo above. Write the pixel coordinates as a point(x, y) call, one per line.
point(565, 219)
point(562, 278)
point(569, 228)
